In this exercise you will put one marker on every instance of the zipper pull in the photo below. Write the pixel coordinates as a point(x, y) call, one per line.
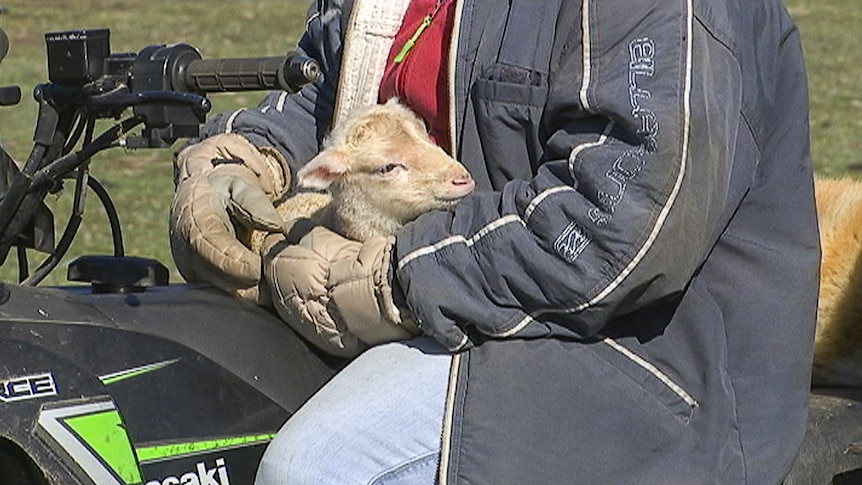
point(408, 46)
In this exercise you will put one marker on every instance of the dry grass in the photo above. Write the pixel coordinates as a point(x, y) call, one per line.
point(140, 182)
point(830, 35)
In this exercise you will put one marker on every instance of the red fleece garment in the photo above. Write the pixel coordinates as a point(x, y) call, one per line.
point(420, 80)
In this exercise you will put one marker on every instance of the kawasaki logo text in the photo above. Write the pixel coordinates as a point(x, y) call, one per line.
point(199, 476)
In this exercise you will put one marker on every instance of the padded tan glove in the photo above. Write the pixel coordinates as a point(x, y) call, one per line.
point(225, 188)
point(333, 291)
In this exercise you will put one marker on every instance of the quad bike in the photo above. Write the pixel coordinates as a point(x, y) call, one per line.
point(130, 380)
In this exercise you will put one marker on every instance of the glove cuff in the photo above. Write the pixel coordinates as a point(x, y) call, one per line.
point(267, 163)
point(361, 294)
point(391, 297)
point(336, 292)
point(272, 171)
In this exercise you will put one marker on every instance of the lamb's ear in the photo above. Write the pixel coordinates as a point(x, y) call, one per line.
point(327, 167)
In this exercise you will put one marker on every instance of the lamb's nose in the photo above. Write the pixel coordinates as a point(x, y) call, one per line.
point(464, 183)
point(462, 177)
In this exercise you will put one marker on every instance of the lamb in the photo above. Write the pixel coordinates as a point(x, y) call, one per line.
point(838, 337)
point(382, 170)
point(377, 171)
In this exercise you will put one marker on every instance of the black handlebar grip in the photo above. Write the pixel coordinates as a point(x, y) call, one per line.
point(288, 73)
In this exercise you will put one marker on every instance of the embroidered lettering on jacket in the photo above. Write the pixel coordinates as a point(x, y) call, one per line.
point(572, 242)
point(641, 65)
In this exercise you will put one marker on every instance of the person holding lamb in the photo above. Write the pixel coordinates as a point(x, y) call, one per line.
point(627, 296)
point(380, 170)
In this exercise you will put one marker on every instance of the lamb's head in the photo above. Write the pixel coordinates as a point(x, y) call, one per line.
point(383, 170)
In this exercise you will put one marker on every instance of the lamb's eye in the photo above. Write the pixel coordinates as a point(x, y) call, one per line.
point(388, 168)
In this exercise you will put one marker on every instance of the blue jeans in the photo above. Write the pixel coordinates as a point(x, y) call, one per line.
point(378, 421)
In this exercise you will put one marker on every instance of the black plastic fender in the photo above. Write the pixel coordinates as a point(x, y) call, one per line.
point(148, 387)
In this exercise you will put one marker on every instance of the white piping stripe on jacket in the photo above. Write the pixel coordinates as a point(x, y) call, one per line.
point(637, 359)
point(229, 124)
point(450, 77)
point(279, 106)
point(446, 434)
point(461, 345)
point(653, 370)
point(311, 19)
point(542, 196)
point(515, 329)
point(578, 149)
point(458, 239)
point(587, 55)
point(279, 103)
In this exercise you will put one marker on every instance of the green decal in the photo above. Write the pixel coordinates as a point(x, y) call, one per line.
point(106, 436)
point(173, 450)
point(115, 377)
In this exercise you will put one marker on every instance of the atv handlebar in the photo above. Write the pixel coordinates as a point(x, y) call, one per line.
point(165, 86)
point(288, 73)
point(82, 57)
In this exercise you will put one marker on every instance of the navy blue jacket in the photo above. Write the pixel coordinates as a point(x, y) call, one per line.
point(631, 293)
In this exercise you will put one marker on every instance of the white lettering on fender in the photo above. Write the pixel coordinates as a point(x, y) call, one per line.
point(201, 475)
point(28, 387)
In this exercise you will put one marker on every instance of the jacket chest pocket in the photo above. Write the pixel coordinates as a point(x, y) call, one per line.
point(508, 103)
point(510, 90)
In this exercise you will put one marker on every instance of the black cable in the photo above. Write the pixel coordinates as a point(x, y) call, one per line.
point(60, 251)
point(72, 161)
point(78, 128)
point(69, 232)
point(79, 160)
point(23, 265)
point(111, 212)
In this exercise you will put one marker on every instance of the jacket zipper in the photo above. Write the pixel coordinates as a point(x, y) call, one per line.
point(450, 78)
point(446, 438)
point(448, 416)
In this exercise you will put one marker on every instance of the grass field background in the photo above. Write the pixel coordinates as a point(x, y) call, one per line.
point(140, 181)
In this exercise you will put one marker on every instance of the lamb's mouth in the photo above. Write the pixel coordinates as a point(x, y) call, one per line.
point(449, 201)
point(459, 190)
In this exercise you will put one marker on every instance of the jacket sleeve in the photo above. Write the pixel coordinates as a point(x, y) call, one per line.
point(296, 123)
point(639, 127)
